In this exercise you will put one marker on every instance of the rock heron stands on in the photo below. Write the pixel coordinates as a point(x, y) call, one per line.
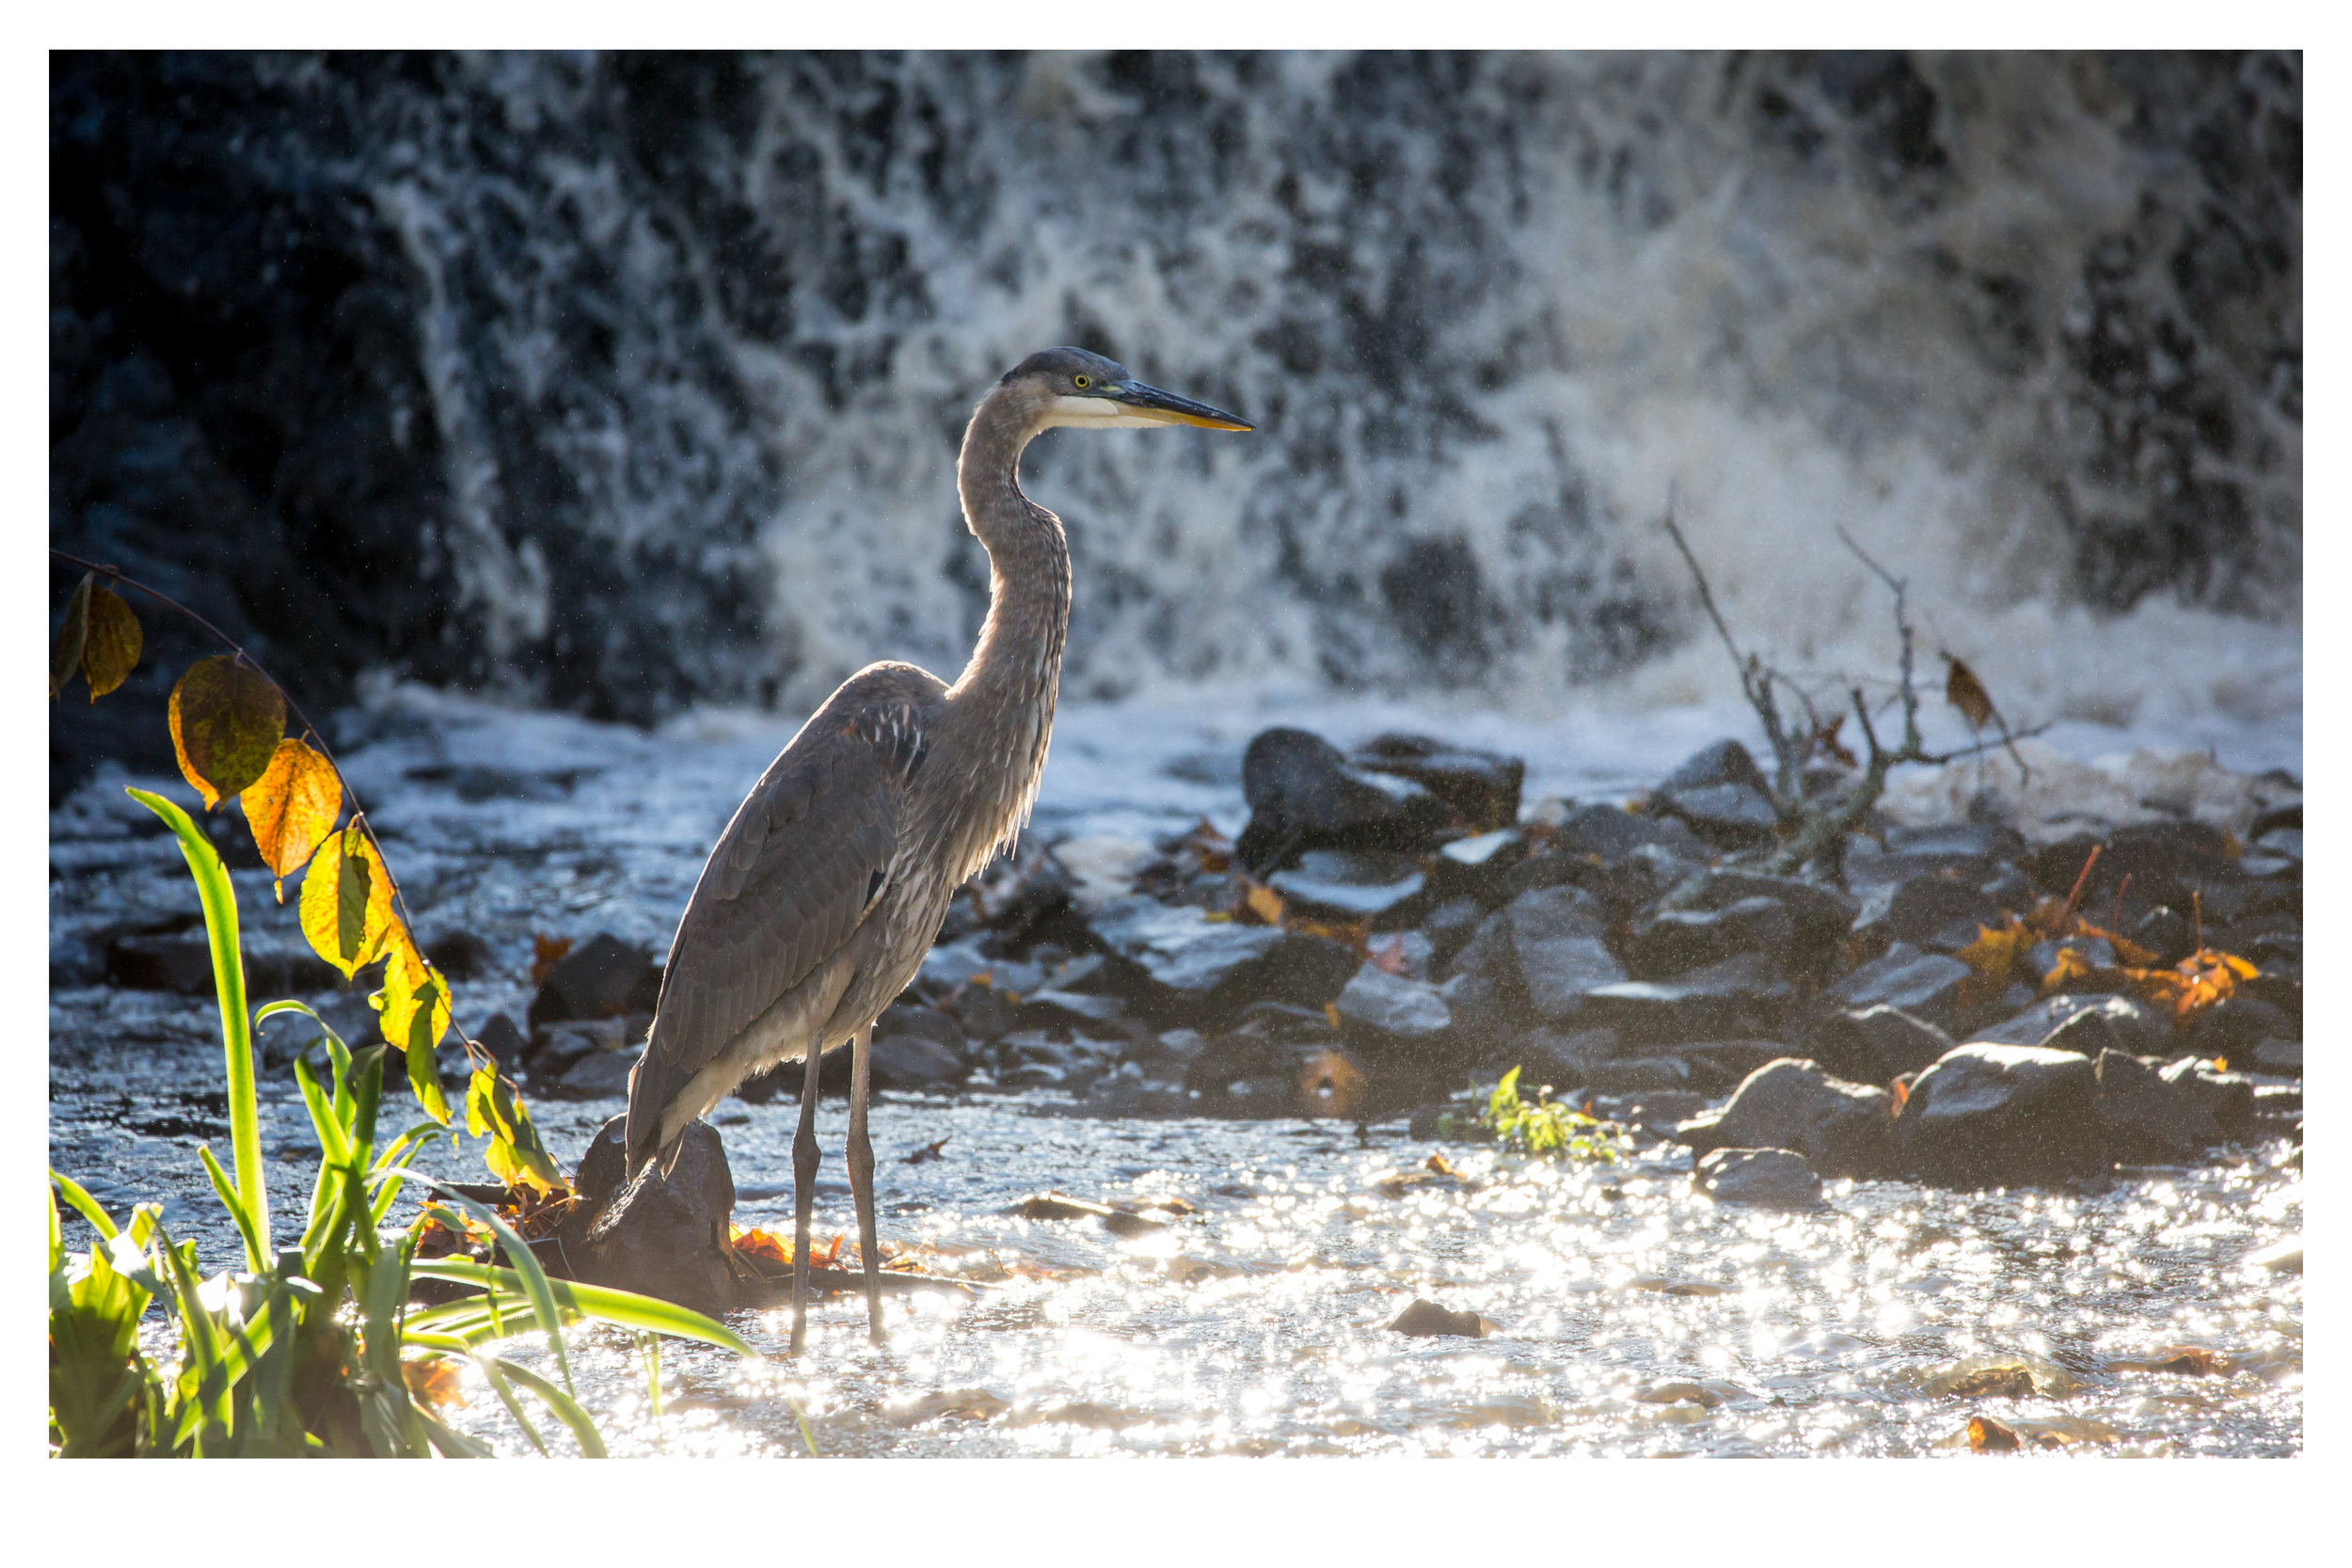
point(820, 898)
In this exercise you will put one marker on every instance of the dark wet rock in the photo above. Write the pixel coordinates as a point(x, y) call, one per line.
point(2227, 1097)
point(1408, 953)
point(557, 1048)
point(2136, 1026)
point(1724, 1065)
point(1769, 1177)
point(1637, 1075)
point(1565, 1060)
point(1822, 915)
point(1989, 840)
point(2233, 1026)
point(1841, 1128)
point(1608, 834)
point(2280, 843)
point(1381, 1004)
point(1448, 926)
point(1474, 867)
point(2002, 1116)
point(2042, 957)
point(1933, 912)
point(2175, 863)
point(1742, 995)
point(1558, 941)
point(1425, 1319)
point(1874, 1045)
point(1480, 789)
point(1350, 884)
point(1179, 962)
point(919, 1050)
point(458, 953)
point(1730, 814)
point(1675, 941)
point(1304, 794)
point(1079, 1012)
point(502, 1039)
point(602, 977)
point(1922, 983)
point(2165, 932)
point(182, 962)
point(1015, 894)
point(2277, 1055)
point(664, 1236)
point(983, 1010)
point(1722, 762)
point(2149, 1119)
point(596, 1075)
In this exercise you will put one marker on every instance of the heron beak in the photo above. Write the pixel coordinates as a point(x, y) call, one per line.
point(1150, 402)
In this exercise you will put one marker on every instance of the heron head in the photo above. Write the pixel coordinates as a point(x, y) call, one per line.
point(1071, 387)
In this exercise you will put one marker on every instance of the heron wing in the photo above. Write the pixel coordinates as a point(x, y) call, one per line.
point(790, 879)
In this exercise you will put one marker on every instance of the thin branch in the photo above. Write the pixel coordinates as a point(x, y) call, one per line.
point(1756, 683)
point(311, 731)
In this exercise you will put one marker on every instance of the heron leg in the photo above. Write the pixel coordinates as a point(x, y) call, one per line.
point(862, 1176)
point(804, 1194)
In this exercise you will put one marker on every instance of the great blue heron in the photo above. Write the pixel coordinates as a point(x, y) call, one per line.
point(818, 901)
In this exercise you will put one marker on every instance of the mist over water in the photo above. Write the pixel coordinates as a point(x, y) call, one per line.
point(680, 351)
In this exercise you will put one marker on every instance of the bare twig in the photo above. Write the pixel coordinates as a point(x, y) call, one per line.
point(1756, 683)
point(310, 732)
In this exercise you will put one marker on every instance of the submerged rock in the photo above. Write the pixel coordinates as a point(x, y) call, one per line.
point(2002, 1115)
point(1426, 1319)
point(1774, 1177)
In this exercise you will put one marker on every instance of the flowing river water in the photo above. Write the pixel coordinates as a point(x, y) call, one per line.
point(1629, 1314)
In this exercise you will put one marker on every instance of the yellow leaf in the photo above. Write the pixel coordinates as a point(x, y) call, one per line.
point(71, 633)
point(1264, 903)
point(413, 1009)
point(292, 807)
point(226, 719)
point(346, 901)
point(111, 649)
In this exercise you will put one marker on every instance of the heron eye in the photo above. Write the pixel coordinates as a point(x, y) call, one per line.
point(1080, 382)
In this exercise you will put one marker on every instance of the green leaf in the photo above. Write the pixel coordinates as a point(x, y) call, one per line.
point(254, 1251)
point(566, 1409)
point(625, 1308)
point(219, 899)
point(86, 1206)
point(533, 1278)
point(110, 650)
point(71, 634)
point(226, 719)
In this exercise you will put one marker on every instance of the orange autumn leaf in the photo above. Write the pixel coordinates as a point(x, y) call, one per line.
point(544, 952)
point(1262, 902)
point(432, 1380)
point(759, 1244)
point(292, 807)
point(1987, 1435)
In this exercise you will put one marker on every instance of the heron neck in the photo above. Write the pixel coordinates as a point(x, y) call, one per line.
point(1017, 664)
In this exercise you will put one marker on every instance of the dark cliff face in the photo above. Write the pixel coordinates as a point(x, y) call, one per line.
point(616, 382)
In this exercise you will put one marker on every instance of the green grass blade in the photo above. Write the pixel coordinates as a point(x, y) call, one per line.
point(84, 1204)
point(533, 1278)
point(220, 924)
point(490, 1366)
point(231, 1200)
point(625, 1308)
point(566, 1409)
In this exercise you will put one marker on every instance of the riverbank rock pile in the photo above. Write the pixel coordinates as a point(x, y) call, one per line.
point(1970, 1002)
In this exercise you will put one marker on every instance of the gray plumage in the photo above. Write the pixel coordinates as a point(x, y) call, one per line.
point(822, 894)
